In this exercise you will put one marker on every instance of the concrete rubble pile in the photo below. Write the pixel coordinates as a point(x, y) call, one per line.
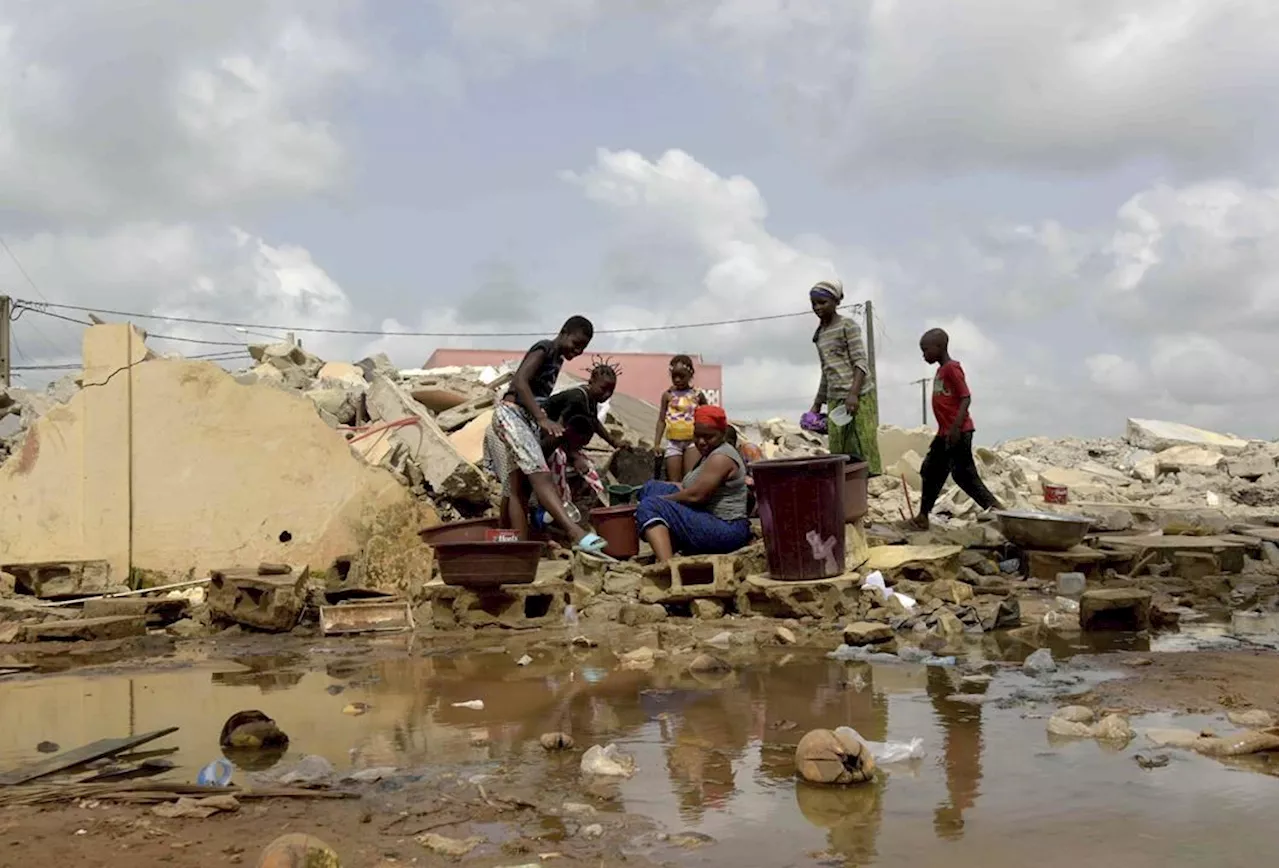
point(1209, 500)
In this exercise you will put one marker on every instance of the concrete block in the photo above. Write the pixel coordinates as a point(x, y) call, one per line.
point(825, 599)
point(86, 629)
point(707, 610)
point(447, 472)
point(515, 607)
point(158, 612)
point(465, 413)
point(915, 563)
point(1047, 565)
point(690, 578)
point(49, 580)
point(1115, 609)
point(273, 603)
point(1249, 468)
point(867, 633)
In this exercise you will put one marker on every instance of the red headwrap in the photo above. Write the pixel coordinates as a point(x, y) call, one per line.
point(709, 414)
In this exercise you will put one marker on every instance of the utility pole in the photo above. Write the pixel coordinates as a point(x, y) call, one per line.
point(6, 306)
point(924, 400)
point(868, 320)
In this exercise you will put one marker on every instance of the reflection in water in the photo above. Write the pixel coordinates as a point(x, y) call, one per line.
point(961, 752)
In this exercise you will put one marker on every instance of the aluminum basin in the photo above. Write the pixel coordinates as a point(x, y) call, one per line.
point(1043, 531)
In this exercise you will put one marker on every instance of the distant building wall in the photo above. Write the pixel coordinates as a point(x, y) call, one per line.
point(644, 375)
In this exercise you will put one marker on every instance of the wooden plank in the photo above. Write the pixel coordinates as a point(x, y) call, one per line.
point(100, 749)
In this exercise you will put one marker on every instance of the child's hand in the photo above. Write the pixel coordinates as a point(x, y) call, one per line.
point(552, 429)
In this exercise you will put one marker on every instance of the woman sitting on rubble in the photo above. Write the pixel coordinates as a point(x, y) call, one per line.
point(707, 512)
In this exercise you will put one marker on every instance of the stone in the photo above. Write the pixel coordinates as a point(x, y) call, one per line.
point(447, 473)
point(708, 663)
point(947, 625)
point(1252, 719)
point(866, 633)
point(998, 613)
point(707, 610)
point(1115, 609)
point(640, 614)
point(452, 848)
point(1157, 436)
point(827, 757)
point(949, 591)
point(552, 741)
point(336, 402)
point(784, 636)
point(187, 628)
point(272, 603)
point(1039, 663)
point(969, 576)
point(979, 562)
point(86, 629)
point(1046, 566)
point(916, 563)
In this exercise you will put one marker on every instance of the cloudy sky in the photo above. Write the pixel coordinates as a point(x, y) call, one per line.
point(1083, 192)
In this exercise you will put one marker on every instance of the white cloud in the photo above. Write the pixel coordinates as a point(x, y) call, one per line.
point(948, 85)
point(133, 111)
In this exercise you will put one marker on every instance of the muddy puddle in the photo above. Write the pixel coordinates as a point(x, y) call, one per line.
point(714, 752)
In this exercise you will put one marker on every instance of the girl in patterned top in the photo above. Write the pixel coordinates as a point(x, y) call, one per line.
point(675, 416)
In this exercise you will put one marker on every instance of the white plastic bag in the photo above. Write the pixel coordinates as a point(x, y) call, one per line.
point(607, 761)
point(875, 581)
point(886, 752)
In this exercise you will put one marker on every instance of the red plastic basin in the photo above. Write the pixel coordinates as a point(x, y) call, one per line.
point(471, 530)
point(488, 564)
point(617, 525)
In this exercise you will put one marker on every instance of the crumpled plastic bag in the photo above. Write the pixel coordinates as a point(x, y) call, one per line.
point(815, 422)
point(839, 757)
point(890, 752)
point(874, 581)
point(608, 761)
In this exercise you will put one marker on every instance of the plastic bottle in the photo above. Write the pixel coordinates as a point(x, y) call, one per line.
point(570, 616)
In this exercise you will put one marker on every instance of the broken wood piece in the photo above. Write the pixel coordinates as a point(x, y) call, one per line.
point(100, 749)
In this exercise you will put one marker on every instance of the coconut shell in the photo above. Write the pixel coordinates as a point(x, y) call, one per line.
point(826, 757)
point(298, 851)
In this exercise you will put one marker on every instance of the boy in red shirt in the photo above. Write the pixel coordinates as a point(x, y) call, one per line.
point(951, 453)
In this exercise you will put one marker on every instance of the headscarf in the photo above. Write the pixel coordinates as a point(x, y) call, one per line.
point(832, 289)
point(712, 416)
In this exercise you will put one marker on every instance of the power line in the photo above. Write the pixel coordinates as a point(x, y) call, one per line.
point(21, 270)
point(376, 333)
point(207, 357)
point(150, 335)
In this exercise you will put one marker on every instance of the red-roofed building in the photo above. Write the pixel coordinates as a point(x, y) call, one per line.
point(644, 375)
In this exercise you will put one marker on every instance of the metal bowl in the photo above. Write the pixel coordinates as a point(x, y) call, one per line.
point(1042, 530)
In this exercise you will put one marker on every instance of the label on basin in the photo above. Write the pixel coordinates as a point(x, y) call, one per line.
point(501, 534)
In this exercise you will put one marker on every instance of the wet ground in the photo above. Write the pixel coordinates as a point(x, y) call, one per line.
point(714, 753)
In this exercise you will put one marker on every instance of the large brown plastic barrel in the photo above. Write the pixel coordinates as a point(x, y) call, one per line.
point(802, 514)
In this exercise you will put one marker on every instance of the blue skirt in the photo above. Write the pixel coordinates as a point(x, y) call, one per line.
point(693, 531)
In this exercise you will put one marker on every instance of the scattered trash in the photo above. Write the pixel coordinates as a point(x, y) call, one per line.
point(453, 848)
point(524, 660)
point(296, 850)
point(583, 642)
point(1071, 584)
point(215, 774)
point(556, 741)
point(473, 704)
point(1010, 567)
point(840, 757)
point(372, 775)
point(608, 761)
point(196, 809)
point(251, 729)
point(355, 709)
point(889, 752)
point(103, 748)
point(875, 582)
point(570, 616)
point(1039, 663)
point(720, 640)
point(308, 771)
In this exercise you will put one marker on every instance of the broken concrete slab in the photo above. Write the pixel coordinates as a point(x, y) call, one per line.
point(272, 603)
point(157, 611)
point(1157, 435)
point(86, 629)
point(469, 439)
point(1180, 459)
point(1046, 566)
point(824, 599)
point(52, 580)
point(444, 470)
point(914, 563)
point(1162, 549)
point(341, 373)
point(1126, 609)
point(1249, 468)
point(463, 414)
